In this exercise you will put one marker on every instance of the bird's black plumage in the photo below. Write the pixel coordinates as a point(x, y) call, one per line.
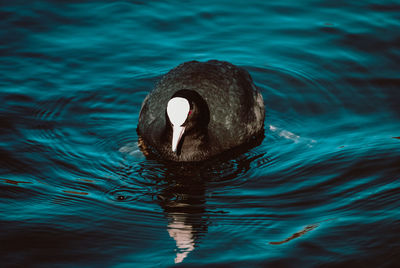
point(227, 110)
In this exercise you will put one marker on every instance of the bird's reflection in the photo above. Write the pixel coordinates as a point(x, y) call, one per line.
point(183, 202)
point(182, 233)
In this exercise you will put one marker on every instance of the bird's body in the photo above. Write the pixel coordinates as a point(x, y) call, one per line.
point(225, 110)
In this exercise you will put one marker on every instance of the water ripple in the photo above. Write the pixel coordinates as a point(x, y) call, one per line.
point(77, 190)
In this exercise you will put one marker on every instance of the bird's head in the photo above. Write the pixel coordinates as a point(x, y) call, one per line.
point(187, 112)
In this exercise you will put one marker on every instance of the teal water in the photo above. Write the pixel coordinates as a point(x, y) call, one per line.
point(322, 189)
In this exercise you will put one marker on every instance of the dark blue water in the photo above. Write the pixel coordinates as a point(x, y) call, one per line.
point(322, 189)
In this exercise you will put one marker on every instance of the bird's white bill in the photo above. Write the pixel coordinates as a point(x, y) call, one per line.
point(177, 132)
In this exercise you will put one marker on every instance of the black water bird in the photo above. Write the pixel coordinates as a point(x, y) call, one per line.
point(199, 110)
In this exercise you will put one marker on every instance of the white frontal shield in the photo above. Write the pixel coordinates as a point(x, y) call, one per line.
point(177, 111)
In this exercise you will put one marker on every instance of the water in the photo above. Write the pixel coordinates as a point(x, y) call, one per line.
point(322, 189)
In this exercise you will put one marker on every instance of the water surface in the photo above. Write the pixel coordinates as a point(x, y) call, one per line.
point(322, 188)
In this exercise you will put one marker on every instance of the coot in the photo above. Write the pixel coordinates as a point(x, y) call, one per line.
point(199, 110)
